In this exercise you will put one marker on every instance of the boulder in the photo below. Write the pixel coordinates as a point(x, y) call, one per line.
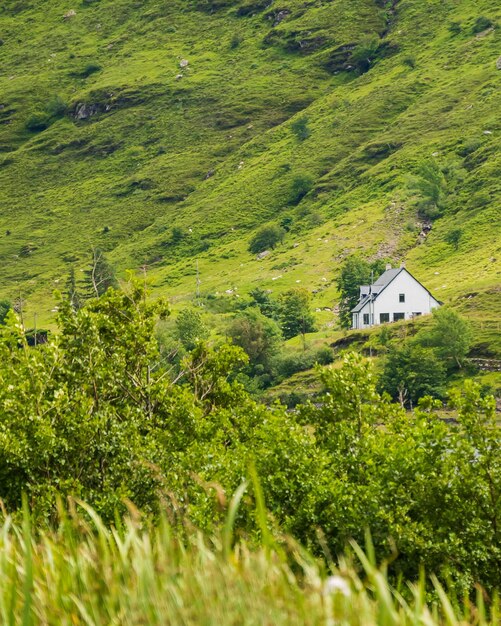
point(71, 13)
point(263, 255)
point(83, 110)
point(498, 64)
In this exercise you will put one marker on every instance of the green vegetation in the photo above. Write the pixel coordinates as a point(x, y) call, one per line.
point(266, 238)
point(100, 413)
point(87, 573)
point(348, 124)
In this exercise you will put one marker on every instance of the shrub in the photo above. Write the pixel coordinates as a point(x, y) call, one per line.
point(88, 70)
point(236, 40)
point(455, 28)
point(364, 53)
point(56, 107)
point(301, 185)
point(481, 23)
point(453, 237)
point(410, 61)
point(37, 122)
point(300, 128)
point(266, 237)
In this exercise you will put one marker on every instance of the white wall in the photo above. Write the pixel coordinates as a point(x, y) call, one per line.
point(417, 300)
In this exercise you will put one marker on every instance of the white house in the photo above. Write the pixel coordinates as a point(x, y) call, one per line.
point(396, 295)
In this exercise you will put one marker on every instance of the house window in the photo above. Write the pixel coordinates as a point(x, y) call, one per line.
point(401, 297)
point(416, 314)
point(366, 319)
point(398, 316)
point(384, 318)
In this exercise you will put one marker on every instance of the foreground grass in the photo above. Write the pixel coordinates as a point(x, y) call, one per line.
point(85, 573)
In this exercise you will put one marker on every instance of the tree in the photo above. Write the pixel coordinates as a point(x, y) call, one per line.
point(302, 183)
point(5, 307)
point(71, 291)
point(411, 372)
point(354, 273)
point(257, 335)
point(267, 305)
point(450, 335)
point(266, 237)
point(190, 328)
point(100, 276)
point(295, 314)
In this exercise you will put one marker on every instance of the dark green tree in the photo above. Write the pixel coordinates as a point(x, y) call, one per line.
point(71, 291)
point(295, 315)
point(5, 307)
point(266, 304)
point(355, 272)
point(411, 372)
point(266, 238)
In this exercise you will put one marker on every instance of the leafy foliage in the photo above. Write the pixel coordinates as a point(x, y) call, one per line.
point(266, 238)
point(190, 328)
point(94, 413)
point(295, 314)
point(355, 272)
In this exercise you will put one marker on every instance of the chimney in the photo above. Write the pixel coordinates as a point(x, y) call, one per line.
point(388, 266)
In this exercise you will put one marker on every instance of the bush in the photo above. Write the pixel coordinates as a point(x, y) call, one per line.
point(56, 107)
point(455, 28)
point(37, 122)
point(236, 40)
point(301, 185)
point(88, 70)
point(300, 128)
point(266, 238)
point(453, 237)
point(410, 61)
point(481, 23)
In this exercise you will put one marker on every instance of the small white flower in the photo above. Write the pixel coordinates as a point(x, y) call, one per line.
point(337, 584)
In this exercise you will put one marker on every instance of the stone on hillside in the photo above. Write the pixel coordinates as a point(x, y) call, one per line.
point(498, 64)
point(71, 13)
point(183, 63)
point(83, 111)
point(263, 255)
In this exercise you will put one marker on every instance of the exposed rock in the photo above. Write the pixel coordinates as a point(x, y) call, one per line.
point(278, 16)
point(183, 63)
point(498, 64)
point(210, 174)
point(263, 255)
point(83, 110)
point(179, 76)
point(71, 13)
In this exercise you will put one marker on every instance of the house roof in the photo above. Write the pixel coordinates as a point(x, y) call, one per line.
point(380, 285)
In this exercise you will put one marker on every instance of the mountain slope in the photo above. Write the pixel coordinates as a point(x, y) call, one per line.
point(120, 121)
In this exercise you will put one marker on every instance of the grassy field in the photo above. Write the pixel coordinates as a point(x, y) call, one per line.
point(120, 121)
point(86, 573)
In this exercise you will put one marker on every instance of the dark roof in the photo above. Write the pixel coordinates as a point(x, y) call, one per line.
point(387, 277)
point(360, 305)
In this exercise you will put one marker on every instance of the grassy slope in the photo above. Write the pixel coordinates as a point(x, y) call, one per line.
point(122, 178)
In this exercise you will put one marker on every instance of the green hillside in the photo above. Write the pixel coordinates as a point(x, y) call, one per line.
point(123, 120)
